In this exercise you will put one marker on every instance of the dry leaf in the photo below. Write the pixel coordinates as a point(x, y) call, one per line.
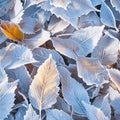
point(44, 89)
point(12, 30)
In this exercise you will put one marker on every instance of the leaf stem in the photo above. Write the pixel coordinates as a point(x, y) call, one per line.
point(40, 113)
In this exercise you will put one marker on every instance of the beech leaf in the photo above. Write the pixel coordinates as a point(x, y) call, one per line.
point(44, 89)
point(12, 30)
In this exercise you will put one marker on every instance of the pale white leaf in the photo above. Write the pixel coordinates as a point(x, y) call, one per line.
point(91, 19)
point(16, 12)
point(3, 75)
point(94, 113)
point(60, 3)
point(93, 91)
point(106, 50)
point(67, 47)
point(24, 77)
point(31, 114)
point(7, 98)
point(116, 4)
point(30, 25)
point(44, 89)
point(14, 56)
point(97, 2)
point(105, 106)
point(115, 100)
point(41, 54)
point(54, 114)
point(106, 16)
point(10, 117)
point(37, 40)
point(91, 70)
point(87, 38)
point(2, 37)
point(76, 8)
point(82, 42)
point(73, 92)
point(116, 13)
point(32, 2)
point(57, 26)
point(103, 103)
point(61, 104)
point(114, 75)
point(20, 113)
point(5, 6)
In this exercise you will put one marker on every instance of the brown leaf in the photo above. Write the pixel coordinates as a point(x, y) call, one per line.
point(12, 30)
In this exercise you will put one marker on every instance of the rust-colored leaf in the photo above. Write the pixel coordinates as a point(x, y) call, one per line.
point(12, 30)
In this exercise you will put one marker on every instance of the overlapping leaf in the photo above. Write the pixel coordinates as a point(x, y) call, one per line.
point(44, 89)
point(106, 16)
point(7, 94)
point(77, 8)
point(12, 30)
point(94, 113)
point(106, 50)
point(41, 54)
point(31, 114)
point(116, 4)
point(14, 56)
point(55, 114)
point(91, 71)
point(24, 77)
point(114, 75)
point(73, 92)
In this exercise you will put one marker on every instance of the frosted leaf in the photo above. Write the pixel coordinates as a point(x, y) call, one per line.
point(116, 13)
point(87, 38)
point(73, 92)
point(5, 6)
point(30, 25)
point(91, 71)
point(44, 89)
point(97, 2)
point(116, 4)
point(60, 3)
point(89, 20)
point(41, 54)
point(31, 114)
point(56, 26)
point(62, 46)
point(16, 12)
point(62, 105)
point(20, 113)
point(115, 100)
point(105, 106)
point(38, 39)
point(82, 42)
point(103, 103)
point(114, 75)
point(54, 114)
point(94, 113)
point(2, 37)
point(3, 75)
point(94, 91)
point(76, 8)
point(10, 117)
point(14, 56)
point(7, 98)
point(106, 50)
point(106, 16)
point(24, 77)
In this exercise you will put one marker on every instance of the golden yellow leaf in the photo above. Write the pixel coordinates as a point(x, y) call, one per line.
point(12, 30)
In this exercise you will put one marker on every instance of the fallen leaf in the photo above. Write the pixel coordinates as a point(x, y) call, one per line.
point(12, 30)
